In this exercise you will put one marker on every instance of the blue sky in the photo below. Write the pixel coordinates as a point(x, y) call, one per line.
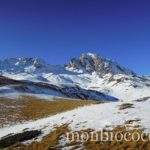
point(57, 30)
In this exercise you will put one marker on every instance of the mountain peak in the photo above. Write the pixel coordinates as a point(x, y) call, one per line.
point(23, 64)
point(89, 63)
point(86, 63)
point(89, 54)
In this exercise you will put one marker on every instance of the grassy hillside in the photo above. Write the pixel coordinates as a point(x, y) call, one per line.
point(27, 108)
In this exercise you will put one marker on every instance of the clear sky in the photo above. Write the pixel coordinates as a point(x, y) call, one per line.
point(57, 30)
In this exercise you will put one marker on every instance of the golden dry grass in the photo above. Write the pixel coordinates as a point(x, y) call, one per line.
point(51, 142)
point(31, 108)
point(122, 145)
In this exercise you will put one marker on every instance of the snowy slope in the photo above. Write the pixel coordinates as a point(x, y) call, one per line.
point(87, 77)
point(10, 87)
point(94, 117)
point(89, 71)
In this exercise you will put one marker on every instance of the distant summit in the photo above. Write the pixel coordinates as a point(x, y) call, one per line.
point(79, 78)
point(18, 65)
point(86, 63)
point(27, 65)
point(89, 63)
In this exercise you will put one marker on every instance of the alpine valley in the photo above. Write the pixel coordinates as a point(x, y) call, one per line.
point(117, 95)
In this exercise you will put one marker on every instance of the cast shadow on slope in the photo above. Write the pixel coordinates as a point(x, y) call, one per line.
point(23, 87)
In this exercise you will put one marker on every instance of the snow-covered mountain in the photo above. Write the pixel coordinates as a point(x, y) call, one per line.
point(27, 65)
point(89, 72)
point(89, 77)
point(89, 63)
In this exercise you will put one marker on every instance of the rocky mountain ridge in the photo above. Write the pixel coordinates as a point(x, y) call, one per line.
point(88, 72)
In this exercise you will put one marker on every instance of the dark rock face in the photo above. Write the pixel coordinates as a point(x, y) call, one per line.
point(20, 137)
point(93, 63)
point(6, 81)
